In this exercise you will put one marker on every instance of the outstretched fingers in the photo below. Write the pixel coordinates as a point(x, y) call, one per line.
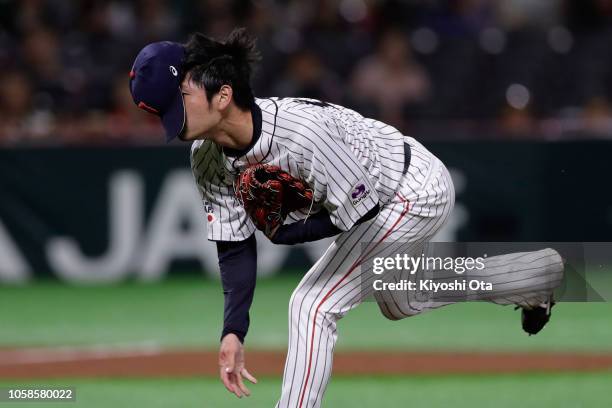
point(243, 389)
point(227, 381)
point(248, 376)
point(234, 382)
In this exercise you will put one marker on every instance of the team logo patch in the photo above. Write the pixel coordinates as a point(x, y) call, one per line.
point(359, 193)
point(210, 212)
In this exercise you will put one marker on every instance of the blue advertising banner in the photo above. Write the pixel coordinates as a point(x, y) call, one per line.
point(103, 215)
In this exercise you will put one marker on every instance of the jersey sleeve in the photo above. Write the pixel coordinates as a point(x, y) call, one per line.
point(226, 218)
point(337, 177)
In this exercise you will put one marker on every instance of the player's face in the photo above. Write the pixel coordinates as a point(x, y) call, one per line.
point(201, 117)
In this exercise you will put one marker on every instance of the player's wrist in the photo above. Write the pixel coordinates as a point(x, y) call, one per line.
point(235, 333)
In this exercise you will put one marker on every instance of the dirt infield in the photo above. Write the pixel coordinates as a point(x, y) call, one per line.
point(155, 362)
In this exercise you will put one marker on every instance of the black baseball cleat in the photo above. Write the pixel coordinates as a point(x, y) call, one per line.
point(534, 319)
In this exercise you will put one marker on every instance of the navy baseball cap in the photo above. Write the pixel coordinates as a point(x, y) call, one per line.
point(155, 84)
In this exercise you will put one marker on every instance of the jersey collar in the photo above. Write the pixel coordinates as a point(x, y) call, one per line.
point(256, 116)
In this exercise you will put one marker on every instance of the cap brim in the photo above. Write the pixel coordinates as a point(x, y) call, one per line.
point(174, 118)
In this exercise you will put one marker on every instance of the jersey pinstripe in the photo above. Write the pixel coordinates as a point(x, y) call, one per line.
point(350, 162)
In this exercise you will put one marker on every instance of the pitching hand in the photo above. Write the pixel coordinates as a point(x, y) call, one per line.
point(231, 363)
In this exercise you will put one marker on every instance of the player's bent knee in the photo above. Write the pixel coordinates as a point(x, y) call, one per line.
point(390, 313)
point(304, 305)
point(294, 301)
point(300, 301)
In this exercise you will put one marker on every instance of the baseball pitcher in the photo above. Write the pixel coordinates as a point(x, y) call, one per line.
point(301, 170)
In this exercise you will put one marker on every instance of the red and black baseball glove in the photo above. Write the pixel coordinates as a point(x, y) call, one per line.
point(268, 194)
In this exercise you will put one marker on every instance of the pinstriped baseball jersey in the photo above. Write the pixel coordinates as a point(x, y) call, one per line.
point(351, 163)
point(337, 283)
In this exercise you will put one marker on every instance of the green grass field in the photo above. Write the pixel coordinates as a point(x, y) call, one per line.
point(188, 313)
point(501, 391)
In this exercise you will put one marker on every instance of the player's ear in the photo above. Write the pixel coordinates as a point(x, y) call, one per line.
point(224, 97)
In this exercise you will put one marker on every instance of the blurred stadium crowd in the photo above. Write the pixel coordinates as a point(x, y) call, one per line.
point(433, 68)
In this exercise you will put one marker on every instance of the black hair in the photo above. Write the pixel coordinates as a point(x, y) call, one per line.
point(213, 64)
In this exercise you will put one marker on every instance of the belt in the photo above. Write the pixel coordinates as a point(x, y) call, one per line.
point(407, 156)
